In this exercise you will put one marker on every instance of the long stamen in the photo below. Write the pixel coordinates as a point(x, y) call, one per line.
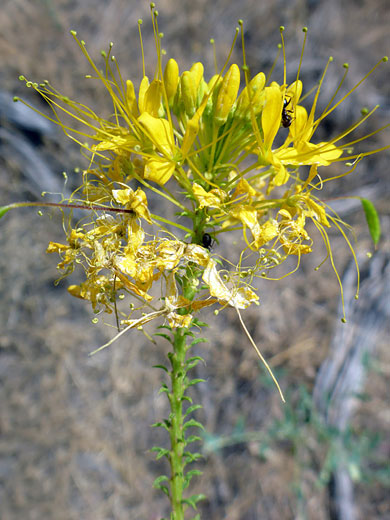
point(142, 47)
point(212, 41)
point(325, 114)
point(281, 28)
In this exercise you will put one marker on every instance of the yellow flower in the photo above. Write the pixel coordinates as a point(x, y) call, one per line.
point(218, 158)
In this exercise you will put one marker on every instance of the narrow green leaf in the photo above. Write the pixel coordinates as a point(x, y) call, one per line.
point(193, 473)
point(194, 358)
point(192, 457)
point(192, 501)
point(195, 382)
point(162, 335)
point(193, 423)
point(188, 476)
point(193, 438)
point(372, 219)
point(198, 340)
point(163, 367)
point(4, 209)
point(161, 425)
point(157, 484)
point(164, 389)
point(192, 408)
point(161, 478)
point(161, 452)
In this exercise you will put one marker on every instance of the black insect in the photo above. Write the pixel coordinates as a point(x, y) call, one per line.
point(286, 117)
point(207, 241)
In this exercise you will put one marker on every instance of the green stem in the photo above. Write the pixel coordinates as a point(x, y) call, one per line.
point(176, 431)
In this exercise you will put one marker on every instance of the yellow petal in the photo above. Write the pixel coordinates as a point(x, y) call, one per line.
point(272, 113)
point(144, 85)
point(293, 94)
point(55, 247)
point(116, 144)
point(152, 100)
point(197, 254)
point(299, 129)
point(239, 298)
point(159, 132)
point(244, 188)
point(159, 170)
point(169, 252)
point(213, 198)
point(248, 216)
point(135, 200)
point(316, 211)
point(282, 174)
point(268, 231)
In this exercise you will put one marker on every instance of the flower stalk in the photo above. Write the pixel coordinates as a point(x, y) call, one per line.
point(175, 397)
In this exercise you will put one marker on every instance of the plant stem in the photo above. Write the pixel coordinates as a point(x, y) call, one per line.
point(177, 463)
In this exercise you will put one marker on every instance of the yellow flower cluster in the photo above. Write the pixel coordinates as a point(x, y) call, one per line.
point(226, 153)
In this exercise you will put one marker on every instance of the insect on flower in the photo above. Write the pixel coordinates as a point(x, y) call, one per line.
point(207, 241)
point(286, 117)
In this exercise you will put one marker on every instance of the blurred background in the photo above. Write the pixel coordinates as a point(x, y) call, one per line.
point(75, 431)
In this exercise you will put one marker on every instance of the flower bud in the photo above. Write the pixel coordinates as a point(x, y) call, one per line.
point(227, 94)
point(190, 81)
point(256, 94)
point(131, 100)
point(171, 80)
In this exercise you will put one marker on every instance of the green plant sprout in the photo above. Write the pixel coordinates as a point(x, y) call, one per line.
point(234, 152)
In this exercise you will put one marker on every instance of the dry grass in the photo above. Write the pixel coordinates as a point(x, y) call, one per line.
point(75, 430)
